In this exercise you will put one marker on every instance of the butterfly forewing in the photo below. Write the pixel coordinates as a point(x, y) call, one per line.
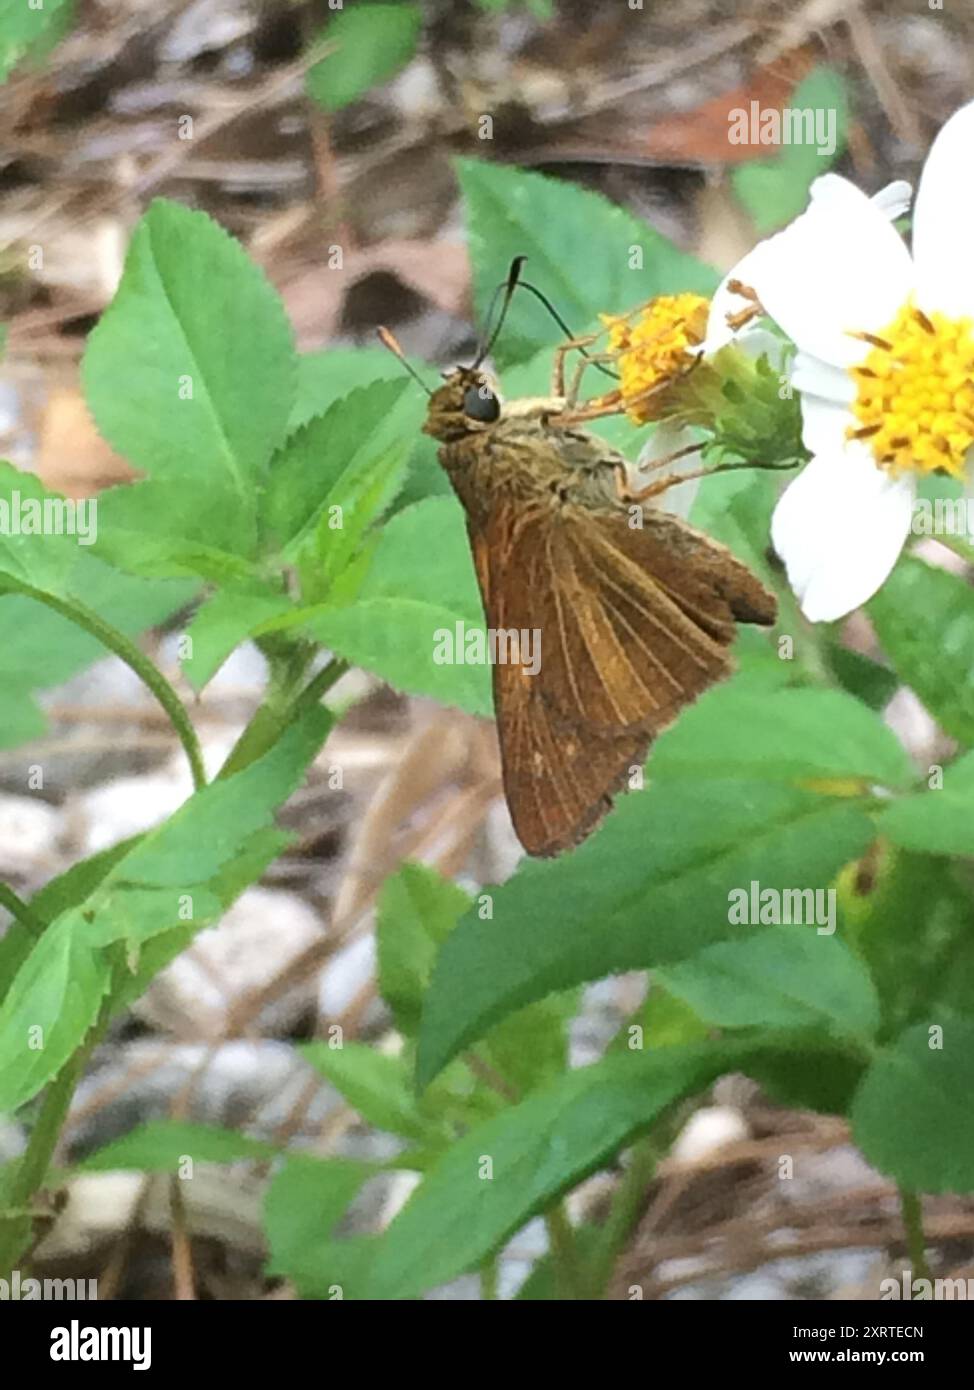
point(633, 624)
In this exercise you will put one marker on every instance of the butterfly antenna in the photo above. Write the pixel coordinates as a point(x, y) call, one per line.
point(506, 288)
point(388, 341)
point(525, 285)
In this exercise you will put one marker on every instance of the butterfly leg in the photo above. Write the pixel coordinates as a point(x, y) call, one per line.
point(643, 494)
point(559, 355)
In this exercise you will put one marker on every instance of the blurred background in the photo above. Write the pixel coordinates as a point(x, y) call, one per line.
point(324, 137)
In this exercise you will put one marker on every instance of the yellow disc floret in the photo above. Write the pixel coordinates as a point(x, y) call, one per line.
point(915, 393)
point(656, 350)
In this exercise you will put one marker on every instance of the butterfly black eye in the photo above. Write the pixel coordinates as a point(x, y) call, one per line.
point(480, 404)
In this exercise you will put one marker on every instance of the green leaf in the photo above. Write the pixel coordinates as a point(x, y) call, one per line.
point(805, 1071)
point(867, 680)
point(41, 532)
point(21, 720)
point(161, 1146)
point(305, 1201)
point(324, 377)
point(421, 583)
point(342, 467)
point(652, 887)
point(911, 1117)
point(49, 902)
point(418, 909)
point(376, 1085)
point(537, 1149)
point(248, 866)
point(164, 528)
point(173, 877)
point(371, 43)
point(938, 821)
point(785, 977)
point(225, 620)
point(25, 29)
point(193, 315)
point(556, 225)
point(776, 190)
point(792, 735)
point(912, 928)
point(924, 618)
point(41, 648)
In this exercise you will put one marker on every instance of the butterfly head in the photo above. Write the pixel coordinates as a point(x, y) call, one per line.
point(465, 404)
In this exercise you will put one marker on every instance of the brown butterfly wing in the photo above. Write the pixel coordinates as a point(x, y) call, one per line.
point(634, 625)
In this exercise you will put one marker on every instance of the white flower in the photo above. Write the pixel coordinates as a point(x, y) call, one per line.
point(668, 441)
point(885, 365)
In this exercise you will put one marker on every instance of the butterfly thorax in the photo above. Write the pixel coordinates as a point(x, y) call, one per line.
point(517, 453)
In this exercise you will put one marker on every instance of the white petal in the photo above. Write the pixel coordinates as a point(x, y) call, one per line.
point(669, 439)
point(819, 379)
point(839, 267)
point(943, 220)
point(824, 425)
point(724, 302)
point(839, 528)
point(894, 200)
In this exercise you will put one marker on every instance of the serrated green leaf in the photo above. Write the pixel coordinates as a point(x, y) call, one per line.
point(335, 476)
point(371, 43)
point(41, 532)
point(650, 888)
point(511, 213)
point(162, 528)
point(174, 877)
point(421, 583)
point(191, 372)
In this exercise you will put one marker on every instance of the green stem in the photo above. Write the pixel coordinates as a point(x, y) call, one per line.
point(912, 1211)
point(31, 1169)
point(627, 1203)
point(569, 1275)
point(280, 709)
point(488, 1280)
point(126, 650)
point(20, 910)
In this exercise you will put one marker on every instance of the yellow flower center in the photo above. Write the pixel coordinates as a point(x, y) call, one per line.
point(655, 350)
point(915, 401)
